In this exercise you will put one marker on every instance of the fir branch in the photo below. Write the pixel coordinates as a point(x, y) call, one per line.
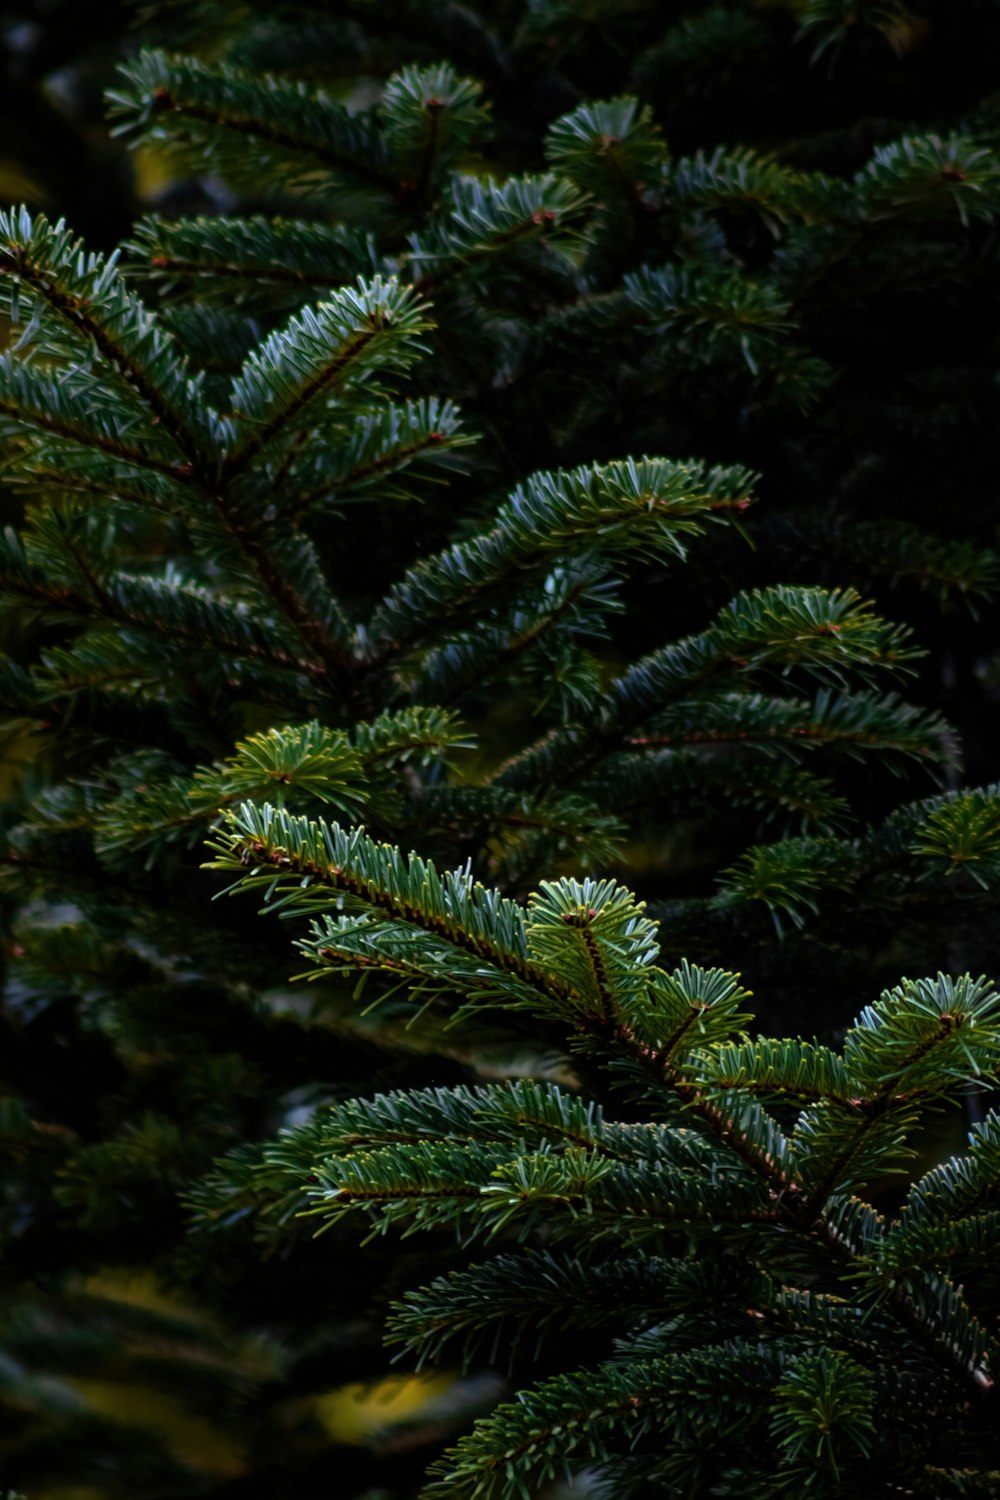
point(184, 103)
point(35, 402)
point(576, 1413)
point(429, 116)
point(223, 258)
point(610, 148)
point(653, 504)
point(87, 294)
point(837, 721)
point(826, 633)
point(482, 219)
point(457, 909)
point(373, 326)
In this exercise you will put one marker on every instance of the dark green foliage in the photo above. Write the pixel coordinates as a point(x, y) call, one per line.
point(547, 435)
point(772, 1332)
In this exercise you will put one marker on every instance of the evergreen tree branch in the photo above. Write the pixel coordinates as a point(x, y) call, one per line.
point(88, 296)
point(612, 508)
point(248, 122)
point(297, 861)
point(825, 633)
point(226, 258)
point(318, 353)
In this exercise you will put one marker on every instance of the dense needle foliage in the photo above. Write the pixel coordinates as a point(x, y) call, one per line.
point(548, 436)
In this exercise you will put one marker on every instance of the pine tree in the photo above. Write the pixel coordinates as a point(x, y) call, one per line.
point(367, 493)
